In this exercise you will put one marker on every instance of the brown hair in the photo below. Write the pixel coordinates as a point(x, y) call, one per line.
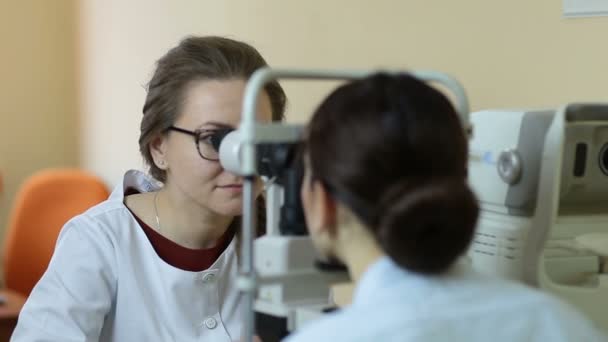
point(197, 58)
point(393, 150)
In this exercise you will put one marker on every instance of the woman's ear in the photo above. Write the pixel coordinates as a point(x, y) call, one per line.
point(158, 150)
point(325, 208)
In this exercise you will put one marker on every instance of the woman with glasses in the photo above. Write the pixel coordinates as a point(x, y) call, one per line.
point(157, 261)
point(385, 193)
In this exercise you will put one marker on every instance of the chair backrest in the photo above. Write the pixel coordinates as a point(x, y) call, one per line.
point(43, 204)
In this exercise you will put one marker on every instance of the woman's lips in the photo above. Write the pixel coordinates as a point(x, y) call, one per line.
point(232, 188)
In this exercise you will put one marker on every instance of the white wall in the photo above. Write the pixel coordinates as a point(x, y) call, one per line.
point(507, 54)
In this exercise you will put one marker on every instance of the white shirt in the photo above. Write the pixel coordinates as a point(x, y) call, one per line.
point(105, 282)
point(391, 304)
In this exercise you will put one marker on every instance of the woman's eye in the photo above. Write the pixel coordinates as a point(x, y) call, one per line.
point(205, 139)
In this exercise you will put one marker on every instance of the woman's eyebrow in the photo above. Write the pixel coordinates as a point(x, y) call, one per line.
point(216, 124)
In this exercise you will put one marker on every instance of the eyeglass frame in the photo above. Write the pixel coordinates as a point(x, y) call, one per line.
point(196, 134)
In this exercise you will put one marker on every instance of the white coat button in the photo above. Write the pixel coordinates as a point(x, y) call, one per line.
point(210, 323)
point(208, 278)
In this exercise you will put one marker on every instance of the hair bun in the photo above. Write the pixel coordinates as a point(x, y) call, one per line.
point(425, 227)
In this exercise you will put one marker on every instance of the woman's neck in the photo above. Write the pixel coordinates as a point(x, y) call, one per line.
point(359, 252)
point(187, 223)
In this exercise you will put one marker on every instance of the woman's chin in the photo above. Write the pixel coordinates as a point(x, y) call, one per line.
point(231, 208)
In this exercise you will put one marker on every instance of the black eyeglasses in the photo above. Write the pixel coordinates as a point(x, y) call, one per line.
point(207, 141)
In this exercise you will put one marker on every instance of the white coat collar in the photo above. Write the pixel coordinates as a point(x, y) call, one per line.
point(135, 179)
point(385, 278)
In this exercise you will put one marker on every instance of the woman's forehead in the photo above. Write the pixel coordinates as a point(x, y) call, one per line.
point(218, 101)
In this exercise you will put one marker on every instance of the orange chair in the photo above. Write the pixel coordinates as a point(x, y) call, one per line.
point(44, 203)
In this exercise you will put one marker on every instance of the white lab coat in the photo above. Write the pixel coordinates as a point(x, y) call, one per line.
point(391, 304)
point(105, 282)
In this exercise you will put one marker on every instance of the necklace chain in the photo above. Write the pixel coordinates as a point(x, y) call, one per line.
point(156, 212)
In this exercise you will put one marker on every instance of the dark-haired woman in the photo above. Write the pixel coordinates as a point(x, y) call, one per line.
point(385, 193)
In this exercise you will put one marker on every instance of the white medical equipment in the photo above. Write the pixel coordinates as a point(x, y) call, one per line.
point(541, 177)
point(291, 289)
